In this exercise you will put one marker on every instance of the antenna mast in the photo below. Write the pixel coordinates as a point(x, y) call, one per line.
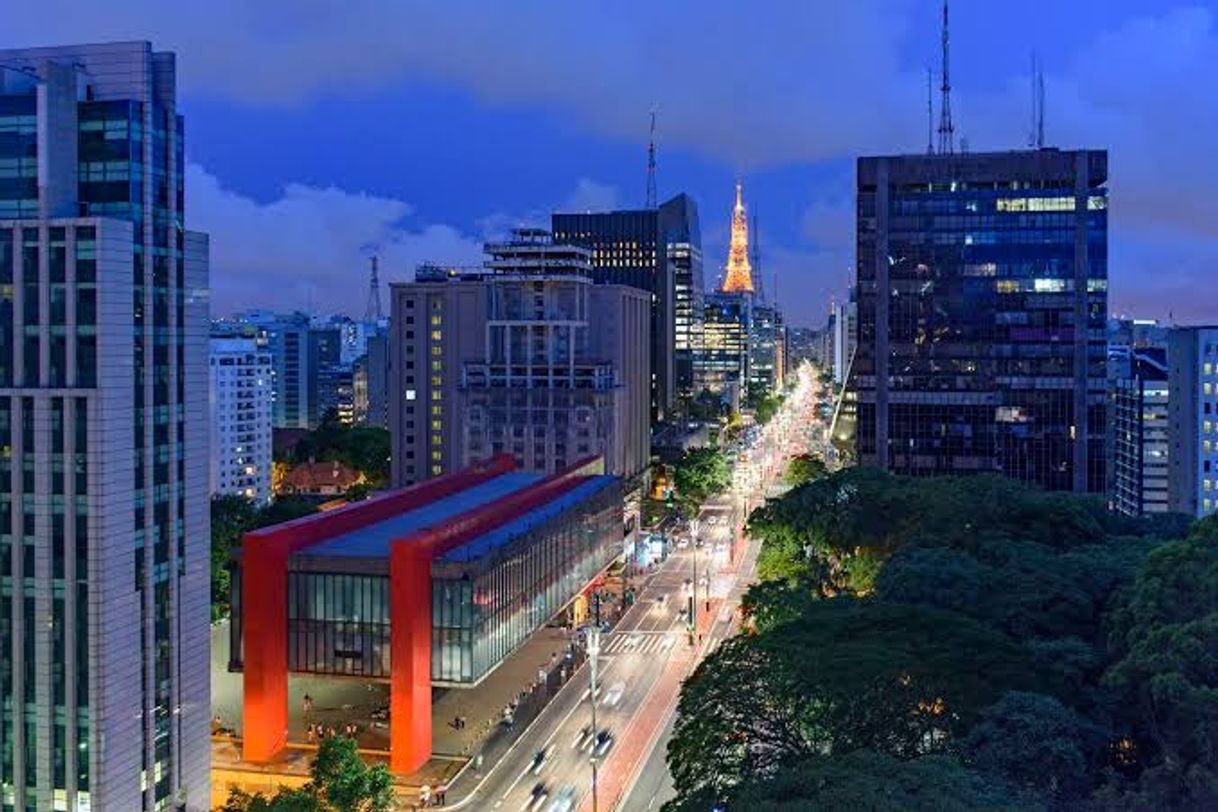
point(651, 163)
point(930, 116)
point(373, 310)
point(1040, 108)
point(946, 131)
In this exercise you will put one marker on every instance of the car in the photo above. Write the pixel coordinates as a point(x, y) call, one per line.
point(682, 543)
point(539, 759)
point(537, 796)
point(666, 642)
point(604, 740)
point(632, 640)
point(564, 801)
point(687, 586)
point(581, 738)
point(614, 694)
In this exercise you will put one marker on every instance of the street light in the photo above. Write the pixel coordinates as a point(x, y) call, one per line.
point(594, 650)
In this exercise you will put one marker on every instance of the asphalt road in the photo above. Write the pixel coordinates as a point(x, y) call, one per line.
point(649, 650)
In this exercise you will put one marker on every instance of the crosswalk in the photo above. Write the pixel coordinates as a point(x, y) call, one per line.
point(641, 642)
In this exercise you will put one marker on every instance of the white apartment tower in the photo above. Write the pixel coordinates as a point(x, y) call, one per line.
point(240, 398)
point(104, 528)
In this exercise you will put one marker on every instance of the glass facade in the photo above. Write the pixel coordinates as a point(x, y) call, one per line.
point(723, 360)
point(482, 608)
point(982, 302)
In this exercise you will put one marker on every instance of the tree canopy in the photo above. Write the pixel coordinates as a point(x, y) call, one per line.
point(911, 636)
point(231, 517)
point(363, 448)
point(340, 781)
point(701, 473)
point(805, 468)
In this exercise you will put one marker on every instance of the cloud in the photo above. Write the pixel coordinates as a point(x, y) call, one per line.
point(311, 245)
point(591, 196)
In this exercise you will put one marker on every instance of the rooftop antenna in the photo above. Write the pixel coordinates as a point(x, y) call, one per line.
point(946, 131)
point(651, 163)
point(930, 116)
point(373, 310)
point(1035, 102)
point(755, 245)
point(1040, 108)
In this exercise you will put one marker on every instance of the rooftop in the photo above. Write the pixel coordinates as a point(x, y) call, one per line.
point(502, 535)
point(373, 540)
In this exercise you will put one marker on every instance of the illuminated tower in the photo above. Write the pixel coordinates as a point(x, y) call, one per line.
point(739, 275)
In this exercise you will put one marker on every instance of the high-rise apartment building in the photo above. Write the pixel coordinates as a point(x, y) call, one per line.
point(240, 396)
point(526, 357)
point(371, 382)
point(766, 345)
point(656, 250)
point(723, 362)
point(1192, 383)
point(844, 324)
point(982, 302)
point(104, 527)
point(1140, 435)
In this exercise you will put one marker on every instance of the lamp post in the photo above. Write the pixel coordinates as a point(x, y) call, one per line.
point(594, 650)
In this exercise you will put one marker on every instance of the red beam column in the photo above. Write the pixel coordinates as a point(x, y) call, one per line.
point(264, 613)
point(409, 656)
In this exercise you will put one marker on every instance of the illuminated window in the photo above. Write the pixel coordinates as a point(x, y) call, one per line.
point(436, 394)
point(437, 335)
point(436, 470)
point(437, 409)
point(410, 394)
point(1097, 203)
point(436, 319)
point(1049, 285)
point(437, 364)
point(437, 425)
point(436, 349)
point(437, 455)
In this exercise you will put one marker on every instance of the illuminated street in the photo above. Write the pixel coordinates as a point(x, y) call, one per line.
point(649, 653)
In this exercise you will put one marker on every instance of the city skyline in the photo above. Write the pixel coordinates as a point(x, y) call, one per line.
point(323, 175)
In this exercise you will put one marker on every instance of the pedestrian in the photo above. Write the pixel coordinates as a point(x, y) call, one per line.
point(308, 704)
point(441, 791)
point(309, 733)
point(425, 795)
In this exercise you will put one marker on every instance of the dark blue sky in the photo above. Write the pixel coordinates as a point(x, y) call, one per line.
point(318, 132)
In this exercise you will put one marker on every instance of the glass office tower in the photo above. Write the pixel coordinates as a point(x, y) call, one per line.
point(104, 530)
point(982, 302)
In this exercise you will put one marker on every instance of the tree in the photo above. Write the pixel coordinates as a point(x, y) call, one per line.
point(865, 779)
point(1035, 743)
point(904, 680)
point(340, 781)
point(701, 473)
point(1166, 642)
point(363, 448)
point(805, 468)
point(231, 516)
point(284, 510)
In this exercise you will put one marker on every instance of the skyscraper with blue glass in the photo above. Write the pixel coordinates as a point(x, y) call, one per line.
point(982, 302)
point(103, 448)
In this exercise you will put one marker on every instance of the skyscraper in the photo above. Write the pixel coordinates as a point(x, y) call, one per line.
point(1192, 405)
point(656, 250)
point(526, 356)
point(104, 528)
point(240, 395)
point(982, 302)
point(1140, 436)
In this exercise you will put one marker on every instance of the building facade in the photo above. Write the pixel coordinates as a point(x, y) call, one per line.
point(679, 222)
point(240, 399)
point(1140, 435)
point(633, 248)
point(766, 344)
point(104, 526)
point(982, 301)
point(1192, 382)
point(370, 382)
point(844, 324)
point(540, 363)
point(433, 585)
point(723, 363)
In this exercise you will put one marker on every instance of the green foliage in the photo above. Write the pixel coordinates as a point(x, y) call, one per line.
point(700, 474)
point(364, 448)
point(1036, 744)
point(340, 782)
point(1067, 657)
point(805, 468)
point(707, 407)
point(904, 680)
point(867, 780)
point(1166, 642)
point(232, 517)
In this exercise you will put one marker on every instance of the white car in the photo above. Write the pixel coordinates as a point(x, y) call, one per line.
point(564, 801)
point(682, 543)
point(614, 694)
